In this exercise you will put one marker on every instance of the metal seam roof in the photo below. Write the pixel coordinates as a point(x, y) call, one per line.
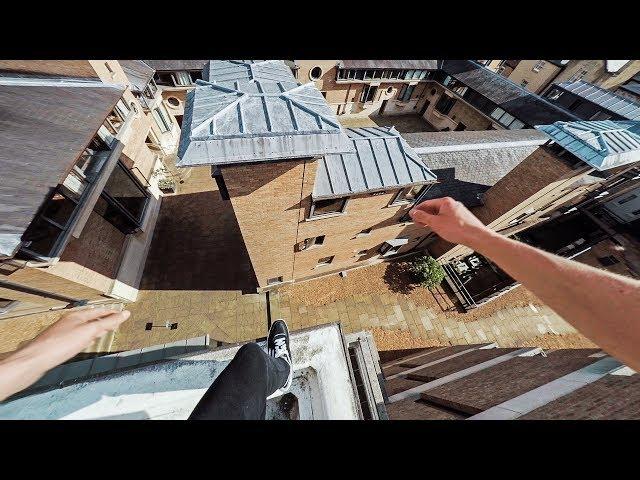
point(256, 111)
point(614, 103)
point(382, 160)
point(601, 144)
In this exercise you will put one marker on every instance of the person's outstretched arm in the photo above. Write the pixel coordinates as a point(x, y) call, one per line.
point(70, 335)
point(603, 306)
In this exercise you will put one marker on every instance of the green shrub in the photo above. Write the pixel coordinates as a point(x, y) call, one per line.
point(427, 271)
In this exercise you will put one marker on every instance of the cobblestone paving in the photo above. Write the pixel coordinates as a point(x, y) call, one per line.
point(509, 327)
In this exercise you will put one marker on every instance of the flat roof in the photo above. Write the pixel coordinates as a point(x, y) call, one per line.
point(608, 100)
point(169, 388)
point(601, 144)
point(451, 141)
point(46, 124)
point(399, 64)
point(514, 99)
point(256, 111)
point(382, 160)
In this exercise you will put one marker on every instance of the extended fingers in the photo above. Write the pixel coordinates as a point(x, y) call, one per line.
point(110, 322)
point(422, 217)
point(89, 314)
point(434, 205)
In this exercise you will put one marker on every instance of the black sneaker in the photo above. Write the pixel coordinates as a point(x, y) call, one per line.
point(278, 347)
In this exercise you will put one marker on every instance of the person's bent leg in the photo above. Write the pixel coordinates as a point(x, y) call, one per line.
point(240, 392)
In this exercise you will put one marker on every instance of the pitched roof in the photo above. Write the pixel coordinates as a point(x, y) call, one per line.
point(514, 99)
point(468, 163)
point(175, 65)
point(256, 111)
point(608, 100)
point(382, 160)
point(45, 126)
point(138, 73)
point(602, 144)
point(403, 64)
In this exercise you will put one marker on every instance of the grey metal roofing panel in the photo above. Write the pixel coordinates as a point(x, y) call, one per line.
point(138, 73)
point(614, 103)
point(44, 126)
point(175, 65)
point(382, 160)
point(602, 144)
point(465, 174)
point(514, 99)
point(403, 64)
point(254, 111)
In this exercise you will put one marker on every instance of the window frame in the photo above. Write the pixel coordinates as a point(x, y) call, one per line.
point(164, 121)
point(312, 242)
point(405, 191)
point(312, 209)
point(329, 258)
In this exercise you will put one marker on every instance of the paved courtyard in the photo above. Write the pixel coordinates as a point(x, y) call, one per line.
point(402, 123)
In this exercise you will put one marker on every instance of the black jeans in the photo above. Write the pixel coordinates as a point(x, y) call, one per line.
point(240, 392)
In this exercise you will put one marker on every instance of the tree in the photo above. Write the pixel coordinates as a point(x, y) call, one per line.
point(427, 271)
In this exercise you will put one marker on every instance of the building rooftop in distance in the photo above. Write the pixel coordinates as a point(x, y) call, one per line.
point(175, 65)
point(138, 73)
point(255, 111)
point(382, 160)
point(608, 100)
point(400, 64)
point(602, 144)
point(514, 99)
point(46, 124)
point(468, 163)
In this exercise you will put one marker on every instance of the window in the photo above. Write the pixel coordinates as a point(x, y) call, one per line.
point(330, 206)
point(359, 74)
point(274, 280)
point(362, 252)
point(386, 250)
point(7, 305)
point(325, 261)
point(44, 235)
point(123, 200)
point(313, 242)
point(182, 79)
point(164, 78)
point(600, 116)
point(368, 93)
point(161, 117)
point(608, 260)
point(445, 104)
point(108, 67)
point(315, 73)
point(516, 125)
point(538, 66)
point(407, 195)
point(627, 199)
point(389, 90)
point(635, 212)
point(408, 74)
point(405, 95)
point(524, 83)
point(342, 74)
point(173, 101)
point(554, 94)
point(497, 113)
point(579, 75)
point(364, 233)
point(150, 90)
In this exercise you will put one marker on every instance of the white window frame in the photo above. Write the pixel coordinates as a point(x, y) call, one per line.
point(313, 216)
point(539, 66)
point(324, 264)
point(162, 118)
point(182, 74)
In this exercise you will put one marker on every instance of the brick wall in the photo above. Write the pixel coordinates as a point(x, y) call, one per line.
point(460, 112)
point(272, 202)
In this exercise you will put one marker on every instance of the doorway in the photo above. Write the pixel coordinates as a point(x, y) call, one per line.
point(382, 107)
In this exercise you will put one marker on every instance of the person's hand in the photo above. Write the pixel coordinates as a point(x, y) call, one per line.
point(74, 332)
point(451, 220)
point(70, 335)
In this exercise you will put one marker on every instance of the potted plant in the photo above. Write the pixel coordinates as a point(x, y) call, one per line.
point(427, 271)
point(167, 185)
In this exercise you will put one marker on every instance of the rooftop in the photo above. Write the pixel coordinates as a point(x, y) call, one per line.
point(514, 99)
point(400, 64)
point(606, 99)
point(382, 160)
point(255, 111)
point(602, 144)
point(138, 73)
point(175, 65)
point(160, 383)
point(468, 163)
point(46, 124)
